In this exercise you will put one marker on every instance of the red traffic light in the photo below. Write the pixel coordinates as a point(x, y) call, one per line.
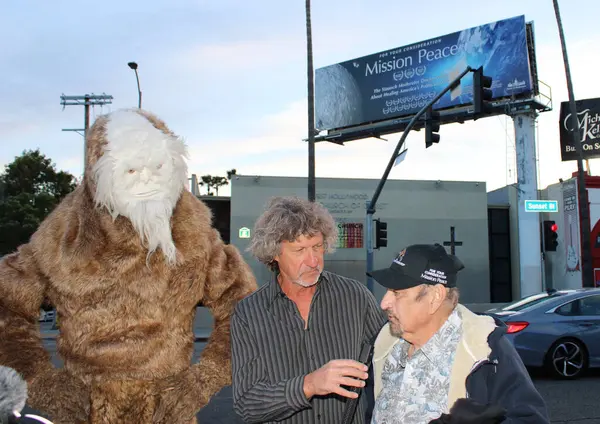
point(550, 236)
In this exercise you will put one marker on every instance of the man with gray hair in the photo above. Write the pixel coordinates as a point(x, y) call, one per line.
point(296, 341)
point(437, 362)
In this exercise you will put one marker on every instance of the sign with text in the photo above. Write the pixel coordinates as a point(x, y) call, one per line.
point(541, 206)
point(350, 235)
point(571, 225)
point(347, 203)
point(588, 121)
point(400, 81)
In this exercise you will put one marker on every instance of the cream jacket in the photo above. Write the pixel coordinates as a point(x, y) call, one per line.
point(472, 349)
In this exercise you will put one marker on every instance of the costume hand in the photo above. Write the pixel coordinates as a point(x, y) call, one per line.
point(177, 400)
point(58, 394)
point(467, 411)
point(333, 375)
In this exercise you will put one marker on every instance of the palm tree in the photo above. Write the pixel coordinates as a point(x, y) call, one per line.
point(587, 270)
point(207, 180)
point(217, 182)
point(311, 107)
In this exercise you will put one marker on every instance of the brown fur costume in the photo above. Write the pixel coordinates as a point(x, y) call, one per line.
point(126, 332)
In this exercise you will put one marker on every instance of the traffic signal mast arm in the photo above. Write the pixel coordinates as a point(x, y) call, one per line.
point(371, 207)
point(409, 126)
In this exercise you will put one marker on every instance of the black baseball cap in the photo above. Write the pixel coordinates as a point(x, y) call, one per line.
point(419, 264)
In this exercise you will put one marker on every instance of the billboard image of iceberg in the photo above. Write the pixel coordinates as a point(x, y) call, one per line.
point(399, 82)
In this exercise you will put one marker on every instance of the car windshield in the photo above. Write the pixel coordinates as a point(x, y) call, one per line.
point(529, 301)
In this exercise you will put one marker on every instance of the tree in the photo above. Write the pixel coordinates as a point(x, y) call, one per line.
point(587, 268)
point(217, 182)
point(207, 181)
point(31, 187)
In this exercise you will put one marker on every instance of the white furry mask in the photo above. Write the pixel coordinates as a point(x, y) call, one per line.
point(141, 176)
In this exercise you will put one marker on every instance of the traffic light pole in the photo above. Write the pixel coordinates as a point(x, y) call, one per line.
point(545, 280)
point(549, 243)
point(371, 207)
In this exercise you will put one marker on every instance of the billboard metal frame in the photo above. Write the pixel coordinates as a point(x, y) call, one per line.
point(542, 103)
point(536, 100)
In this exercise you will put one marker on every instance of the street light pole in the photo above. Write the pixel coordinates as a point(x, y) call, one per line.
point(134, 66)
point(587, 269)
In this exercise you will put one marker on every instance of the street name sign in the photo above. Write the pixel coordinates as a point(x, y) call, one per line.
point(541, 206)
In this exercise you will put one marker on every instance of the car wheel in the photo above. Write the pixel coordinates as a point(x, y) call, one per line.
point(567, 359)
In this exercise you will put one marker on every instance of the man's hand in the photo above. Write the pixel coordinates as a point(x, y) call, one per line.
point(333, 375)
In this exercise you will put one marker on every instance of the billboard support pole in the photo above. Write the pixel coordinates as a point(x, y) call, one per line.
point(530, 254)
point(587, 269)
point(371, 207)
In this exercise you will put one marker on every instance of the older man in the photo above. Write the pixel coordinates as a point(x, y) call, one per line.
point(434, 351)
point(296, 341)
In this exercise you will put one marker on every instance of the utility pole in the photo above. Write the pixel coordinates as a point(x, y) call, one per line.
point(86, 100)
point(311, 107)
point(587, 270)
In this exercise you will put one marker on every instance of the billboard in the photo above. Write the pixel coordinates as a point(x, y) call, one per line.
point(399, 82)
point(588, 119)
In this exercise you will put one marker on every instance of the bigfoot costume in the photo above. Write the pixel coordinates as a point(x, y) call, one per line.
point(125, 259)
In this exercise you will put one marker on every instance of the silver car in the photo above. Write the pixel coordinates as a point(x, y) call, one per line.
point(557, 329)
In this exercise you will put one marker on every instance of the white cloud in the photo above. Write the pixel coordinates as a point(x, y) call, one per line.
point(480, 150)
point(266, 55)
point(463, 154)
point(16, 125)
point(276, 133)
point(221, 95)
point(237, 56)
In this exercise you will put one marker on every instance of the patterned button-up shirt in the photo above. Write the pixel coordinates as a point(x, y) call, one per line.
point(415, 390)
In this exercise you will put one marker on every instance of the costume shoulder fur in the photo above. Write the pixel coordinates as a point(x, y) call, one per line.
point(125, 315)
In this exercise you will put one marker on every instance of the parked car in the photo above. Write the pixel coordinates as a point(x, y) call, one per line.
point(556, 329)
point(46, 315)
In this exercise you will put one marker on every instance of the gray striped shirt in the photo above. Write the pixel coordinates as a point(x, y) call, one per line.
point(272, 352)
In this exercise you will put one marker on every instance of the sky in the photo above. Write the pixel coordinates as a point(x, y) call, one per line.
point(230, 78)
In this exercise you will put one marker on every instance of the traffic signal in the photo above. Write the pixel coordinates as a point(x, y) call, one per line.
point(550, 236)
point(482, 93)
point(432, 126)
point(380, 234)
